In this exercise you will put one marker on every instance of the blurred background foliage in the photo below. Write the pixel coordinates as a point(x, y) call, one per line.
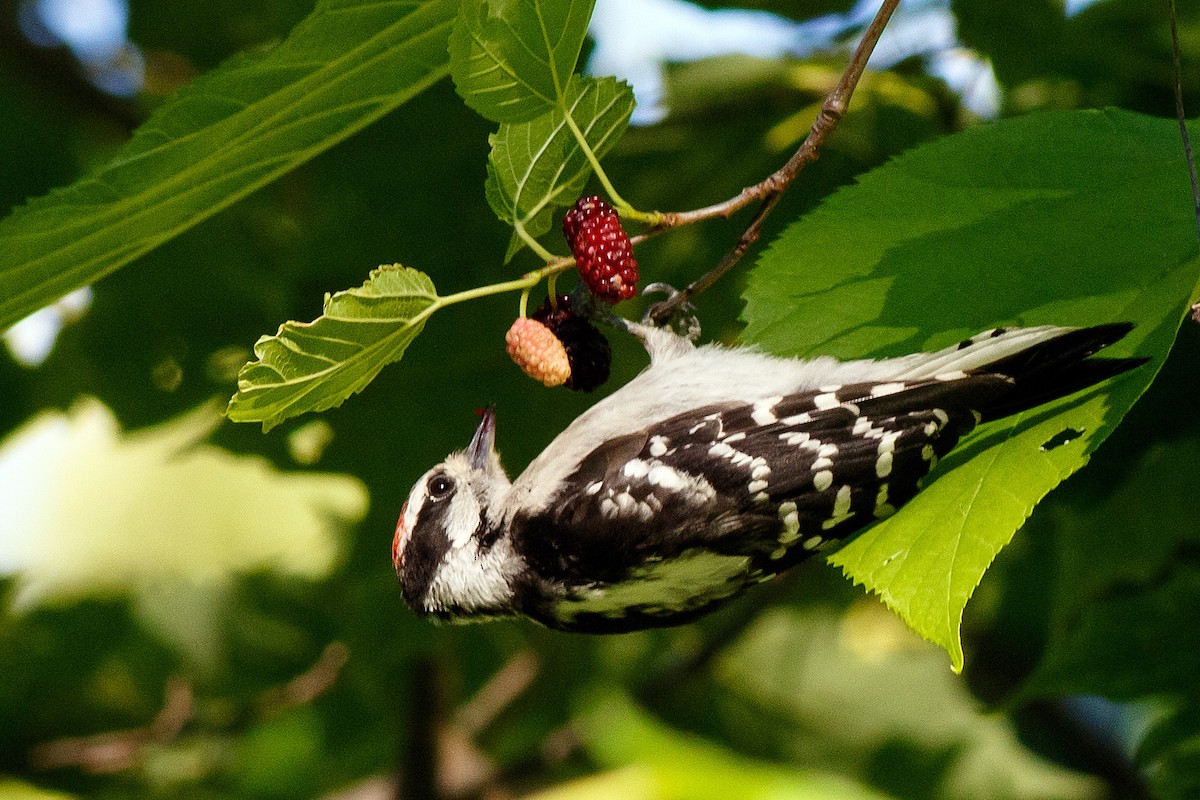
point(194, 609)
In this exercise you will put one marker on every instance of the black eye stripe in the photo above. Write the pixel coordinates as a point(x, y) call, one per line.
point(427, 545)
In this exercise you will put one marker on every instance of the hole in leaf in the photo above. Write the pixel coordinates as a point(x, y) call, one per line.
point(1063, 437)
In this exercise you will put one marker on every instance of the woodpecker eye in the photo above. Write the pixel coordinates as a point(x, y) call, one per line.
point(440, 486)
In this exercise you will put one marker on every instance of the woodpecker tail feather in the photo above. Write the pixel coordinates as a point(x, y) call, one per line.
point(1057, 367)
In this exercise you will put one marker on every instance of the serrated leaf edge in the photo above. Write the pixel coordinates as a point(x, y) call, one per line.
point(315, 379)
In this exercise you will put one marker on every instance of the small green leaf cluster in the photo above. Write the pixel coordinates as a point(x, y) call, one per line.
point(514, 63)
point(1026, 222)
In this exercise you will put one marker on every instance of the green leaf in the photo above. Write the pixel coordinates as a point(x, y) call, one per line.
point(1127, 582)
point(314, 366)
point(848, 686)
point(11, 789)
point(1116, 647)
point(538, 165)
point(1024, 40)
point(1070, 219)
point(232, 131)
point(1170, 753)
point(281, 756)
point(512, 60)
point(1125, 591)
point(670, 765)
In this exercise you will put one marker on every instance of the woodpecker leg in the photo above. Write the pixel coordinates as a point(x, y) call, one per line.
point(683, 319)
point(661, 343)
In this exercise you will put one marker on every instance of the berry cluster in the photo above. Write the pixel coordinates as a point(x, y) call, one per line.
point(602, 250)
point(538, 352)
point(558, 347)
point(587, 349)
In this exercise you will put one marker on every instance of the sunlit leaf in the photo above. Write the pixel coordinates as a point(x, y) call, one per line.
point(1069, 219)
point(663, 764)
point(537, 166)
point(314, 366)
point(233, 130)
point(91, 507)
point(15, 790)
point(512, 60)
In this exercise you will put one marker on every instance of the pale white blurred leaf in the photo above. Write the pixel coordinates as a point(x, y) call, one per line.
point(89, 507)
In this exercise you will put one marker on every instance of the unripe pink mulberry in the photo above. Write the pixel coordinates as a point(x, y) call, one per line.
point(538, 352)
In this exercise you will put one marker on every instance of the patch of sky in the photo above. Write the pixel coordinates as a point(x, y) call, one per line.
point(636, 39)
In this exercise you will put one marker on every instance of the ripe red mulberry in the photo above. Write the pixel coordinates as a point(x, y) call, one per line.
point(602, 250)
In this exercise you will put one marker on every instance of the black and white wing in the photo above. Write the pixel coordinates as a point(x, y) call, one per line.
point(657, 526)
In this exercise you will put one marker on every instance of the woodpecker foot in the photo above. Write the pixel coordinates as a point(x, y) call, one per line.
point(672, 313)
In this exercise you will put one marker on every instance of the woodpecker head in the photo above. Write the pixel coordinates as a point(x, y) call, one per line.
point(449, 556)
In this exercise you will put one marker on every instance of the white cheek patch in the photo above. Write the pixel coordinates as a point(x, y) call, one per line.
point(462, 518)
point(414, 508)
point(472, 585)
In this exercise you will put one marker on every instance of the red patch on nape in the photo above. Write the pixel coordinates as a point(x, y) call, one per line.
point(398, 538)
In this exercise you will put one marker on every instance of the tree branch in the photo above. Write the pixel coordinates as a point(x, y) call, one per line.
point(115, 751)
point(418, 779)
point(769, 190)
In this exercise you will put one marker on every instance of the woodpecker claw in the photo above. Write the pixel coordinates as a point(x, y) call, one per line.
point(682, 317)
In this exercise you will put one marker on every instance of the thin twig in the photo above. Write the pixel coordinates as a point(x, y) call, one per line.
point(1183, 131)
point(509, 683)
point(769, 190)
point(1179, 114)
point(310, 684)
point(115, 751)
point(555, 749)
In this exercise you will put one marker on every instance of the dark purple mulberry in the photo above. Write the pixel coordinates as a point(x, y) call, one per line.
point(587, 350)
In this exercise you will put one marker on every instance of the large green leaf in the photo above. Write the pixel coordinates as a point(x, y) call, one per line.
point(840, 687)
point(314, 366)
point(232, 131)
point(1126, 586)
point(663, 764)
point(1070, 219)
point(512, 61)
point(538, 165)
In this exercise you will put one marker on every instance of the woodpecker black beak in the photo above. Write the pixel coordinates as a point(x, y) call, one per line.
point(480, 450)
